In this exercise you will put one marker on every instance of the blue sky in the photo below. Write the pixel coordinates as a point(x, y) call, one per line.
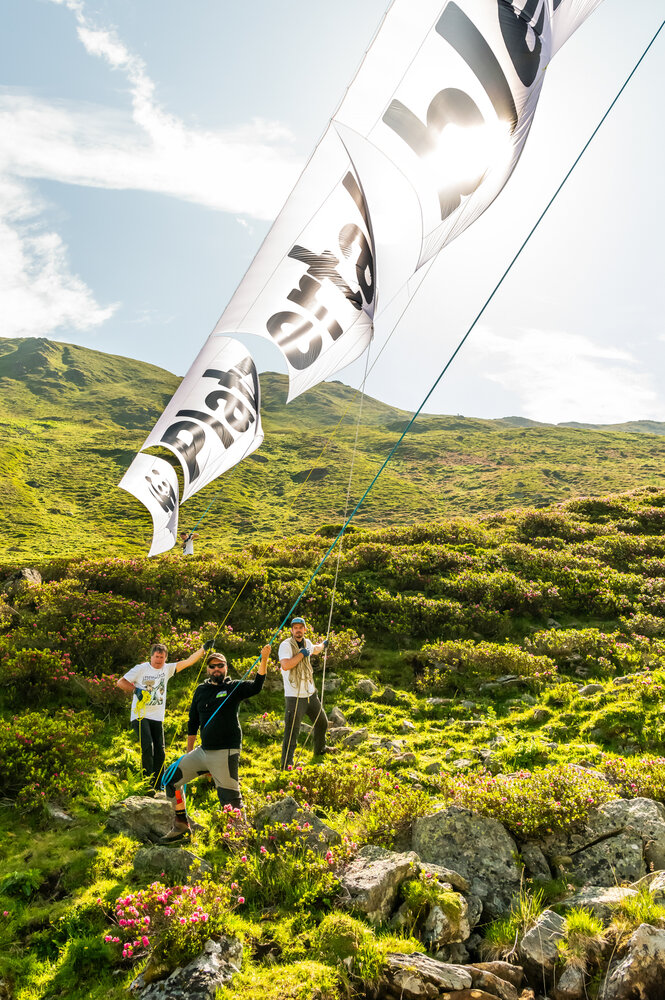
point(146, 147)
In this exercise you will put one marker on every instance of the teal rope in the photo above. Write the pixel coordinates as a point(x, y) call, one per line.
point(454, 354)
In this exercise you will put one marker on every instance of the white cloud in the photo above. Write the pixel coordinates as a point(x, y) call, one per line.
point(39, 294)
point(247, 171)
point(561, 376)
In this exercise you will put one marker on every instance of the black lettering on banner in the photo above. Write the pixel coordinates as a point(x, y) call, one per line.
point(238, 413)
point(287, 328)
point(220, 430)
point(522, 39)
point(320, 266)
point(460, 32)
point(162, 491)
point(449, 107)
point(187, 439)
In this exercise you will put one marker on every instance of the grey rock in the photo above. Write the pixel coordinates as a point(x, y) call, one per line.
point(355, 738)
point(389, 696)
point(336, 718)
point(178, 864)
point(433, 768)
point(372, 881)
point(535, 862)
point(414, 977)
point(590, 689)
point(313, 831)
point(657, 886)
point(469, 705)
point(366, 687)
point(338, 733)
point(538, 947)
point(439, 701)
point(601, 900)
point(401, 759)
point(456, 954)
point(332, 683)
point(20, 581)
point(58, 815)
point(141, 817)
point(463, 763)
point(540, 715)
point(445, 875)
point(487, 984)
point(513, 974)
point(201, 979)
point(640, 973)
point(443, 927)
point(612, 860)
point(478, 848)
point(570, 985)
point(406, 727)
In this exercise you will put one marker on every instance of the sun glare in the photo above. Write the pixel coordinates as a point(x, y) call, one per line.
point(464, 154)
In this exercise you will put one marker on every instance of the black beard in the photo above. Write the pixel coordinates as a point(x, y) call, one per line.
point(217, 678)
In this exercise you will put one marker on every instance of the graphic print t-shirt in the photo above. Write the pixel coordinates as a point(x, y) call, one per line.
point(153, 704)
point(290, 689)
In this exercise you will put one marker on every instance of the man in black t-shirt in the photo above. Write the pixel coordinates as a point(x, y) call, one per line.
point(214, 710)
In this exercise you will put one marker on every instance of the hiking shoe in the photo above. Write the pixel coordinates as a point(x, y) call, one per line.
point(176, 835)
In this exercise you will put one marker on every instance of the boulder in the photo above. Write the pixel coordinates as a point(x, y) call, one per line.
point(20, 581)
point(332, 683)
point(535, 862)
point(355, 738)
point(538, 947)
point(402, 759)
point(141, 817)
point(406, 727)
point(640, 973)
point(446, 926)
point(433, 768)
point(58, 815)
point(336, 719)
point(590, 689)
point(571, 984)
point(337, 733)
point(615, 859)
point(366, 687)
point(286, 811)
point(601, 900)
point(479, 848)
point(634, 820)
point(177, 864)
point(389, 696)
point(371, 882)
point(201, 979)
point(513, 974)
point(415, 977)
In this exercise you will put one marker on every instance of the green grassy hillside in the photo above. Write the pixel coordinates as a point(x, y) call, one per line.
point(72, 419)
point(488, 630)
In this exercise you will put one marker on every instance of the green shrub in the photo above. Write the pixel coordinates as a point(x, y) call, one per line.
point(529, 803)
point(22, 884)
point(596, 652)
point(636, 777)
point(442, 668)
point(34, 676)
point(46, 757)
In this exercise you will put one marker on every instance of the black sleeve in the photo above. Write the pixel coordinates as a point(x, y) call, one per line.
point(246, 689)
point(194, 721)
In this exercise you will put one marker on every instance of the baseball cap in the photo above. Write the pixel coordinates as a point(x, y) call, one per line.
point(214, 655)
point(298, 621)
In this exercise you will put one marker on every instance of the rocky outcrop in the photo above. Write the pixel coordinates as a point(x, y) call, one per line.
point(619, 842)
point(141, 817)
point(418, 977)
point(538, 948)
point(199, 980)
point(599, 899)
point(480, 849)
point(372, 881)
point(640, 973)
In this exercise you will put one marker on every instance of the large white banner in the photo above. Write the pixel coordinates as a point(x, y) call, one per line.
point(154, 482)
point(213, 420)
point(427, 135)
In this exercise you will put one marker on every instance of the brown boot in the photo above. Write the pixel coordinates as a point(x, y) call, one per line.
point(179, 832)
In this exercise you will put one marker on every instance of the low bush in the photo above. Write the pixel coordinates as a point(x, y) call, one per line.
point(47, 757)
point(443, 667)
point(636, 777)
point(530, 803)
point(34, 676)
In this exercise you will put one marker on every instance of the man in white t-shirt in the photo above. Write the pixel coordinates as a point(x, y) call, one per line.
point(147, 682)
point(299, 692)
